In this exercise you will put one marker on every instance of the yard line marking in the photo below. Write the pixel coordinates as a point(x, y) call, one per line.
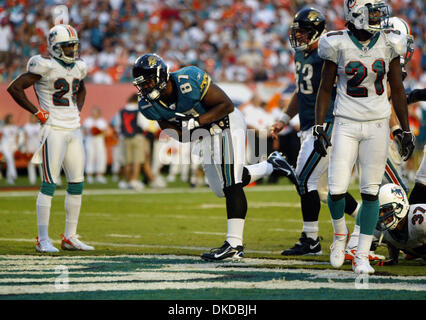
point(210, 233)
point(114, 235)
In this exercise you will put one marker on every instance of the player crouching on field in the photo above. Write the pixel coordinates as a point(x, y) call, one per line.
point(400, 226)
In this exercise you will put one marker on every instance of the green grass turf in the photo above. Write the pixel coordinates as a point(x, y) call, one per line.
point(187, 222)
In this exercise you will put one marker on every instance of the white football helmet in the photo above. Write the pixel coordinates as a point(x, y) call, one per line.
point(394, 206)
point(369, 15)
point(398, 24)
point(63, 35)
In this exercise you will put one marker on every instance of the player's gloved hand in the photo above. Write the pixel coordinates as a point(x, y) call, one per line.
point(187, 122)
point(322, 141)
point(416, 95)
point(42, 115)
point(405, 141)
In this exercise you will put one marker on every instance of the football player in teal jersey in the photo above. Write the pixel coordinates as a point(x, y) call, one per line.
point(307, 27)
point(191, 108)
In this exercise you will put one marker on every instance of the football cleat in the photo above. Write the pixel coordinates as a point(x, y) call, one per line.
point(224, 252)
point(304, 247)
point(45, 245)
point(361, 266)
point(337, 251)
point(372, 256)
point(72, 243)
point(282, 167)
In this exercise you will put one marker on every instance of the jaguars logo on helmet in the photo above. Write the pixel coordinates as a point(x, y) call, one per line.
point(307, 27)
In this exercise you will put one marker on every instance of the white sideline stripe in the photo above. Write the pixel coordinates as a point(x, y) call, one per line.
point(274, 284)
point(210, 233)
point(114, 235)
point(7, 194)
point(133, 245)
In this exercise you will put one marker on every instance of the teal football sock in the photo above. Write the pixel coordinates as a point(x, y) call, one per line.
point(337, 208)
point(368, 216)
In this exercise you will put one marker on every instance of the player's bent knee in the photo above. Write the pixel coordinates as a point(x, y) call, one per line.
point(369, 197)
point(337, 197)
point(75, 188)
point(48, 188)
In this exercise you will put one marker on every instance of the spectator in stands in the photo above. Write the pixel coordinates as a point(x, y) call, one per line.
point(8, 146)
point(31, 132)
point(94, 129)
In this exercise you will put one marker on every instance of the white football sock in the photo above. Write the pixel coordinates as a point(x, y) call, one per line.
point(72, 209)
point(259, 170)
point(355, 213)
point(339, 226)
point(310, 228)
point(44, 203)
point(353, 242)
point(31, 173)
point(364, 245)
point(235, 232)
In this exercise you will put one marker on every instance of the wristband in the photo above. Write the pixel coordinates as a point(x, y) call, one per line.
point(285, 118)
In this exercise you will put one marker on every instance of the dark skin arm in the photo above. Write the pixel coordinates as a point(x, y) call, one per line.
point(215, 101)
point(292, 110)
point(328, 76)
point(17, 90)
point(81, 95)
point(399, 99)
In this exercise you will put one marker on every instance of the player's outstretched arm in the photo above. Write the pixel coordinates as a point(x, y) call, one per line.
point(17, 90)
point(81, 95)
point(217, 103)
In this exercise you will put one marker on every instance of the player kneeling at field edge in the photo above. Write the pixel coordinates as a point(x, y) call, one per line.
point(58, 83)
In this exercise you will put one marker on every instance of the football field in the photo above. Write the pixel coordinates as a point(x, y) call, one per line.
point(148, 246)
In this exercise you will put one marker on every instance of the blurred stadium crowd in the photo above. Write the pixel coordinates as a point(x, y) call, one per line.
point(234, 40)
point(242, 41)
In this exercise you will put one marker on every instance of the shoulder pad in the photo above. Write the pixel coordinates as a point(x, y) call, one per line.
point(39, 65)
point(397, 41)
point(328, 45)
point(82, 66)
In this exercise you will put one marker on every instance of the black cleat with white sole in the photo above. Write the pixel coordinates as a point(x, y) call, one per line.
point(282, 167)
point(305, 247)
point(224, 252)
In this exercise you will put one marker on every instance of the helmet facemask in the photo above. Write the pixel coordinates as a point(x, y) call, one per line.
point(67, 55)
point(302, 37)
point(394, 206)
point(370, 17)
point(150, 86)
point(390, 214)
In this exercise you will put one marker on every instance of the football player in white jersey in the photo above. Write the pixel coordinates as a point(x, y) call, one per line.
point(401, 226)
point(363, 60)
point(58, 83)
